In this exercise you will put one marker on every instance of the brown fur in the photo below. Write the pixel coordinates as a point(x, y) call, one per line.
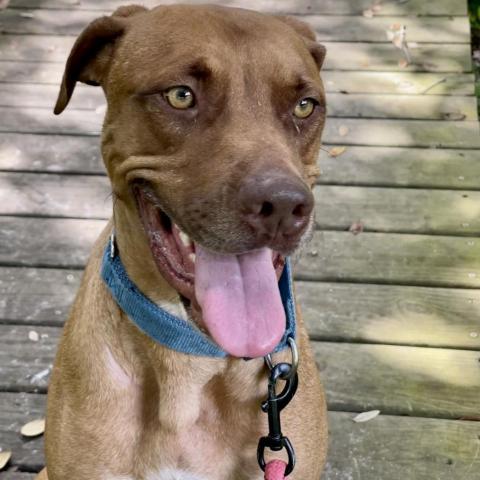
point(118, 403)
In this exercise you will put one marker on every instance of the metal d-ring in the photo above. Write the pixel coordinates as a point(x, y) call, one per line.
point(295, 359)
point(112, 245)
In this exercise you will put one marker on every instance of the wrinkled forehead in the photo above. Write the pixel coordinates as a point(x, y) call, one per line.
point(180, 40)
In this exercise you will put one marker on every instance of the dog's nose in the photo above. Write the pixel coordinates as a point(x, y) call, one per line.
point(276, 204)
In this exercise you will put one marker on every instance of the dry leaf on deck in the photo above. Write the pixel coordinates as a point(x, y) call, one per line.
point(402, 63)
point(366, 416)
point(343, 130)
point(33, 428)
point(368, 13)
point(4, 459)
point(336, 151)
point(356, 228)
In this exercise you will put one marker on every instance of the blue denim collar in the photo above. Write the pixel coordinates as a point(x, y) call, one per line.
point(169, 330)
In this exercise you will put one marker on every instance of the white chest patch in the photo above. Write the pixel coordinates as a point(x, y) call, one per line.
point(173, 474)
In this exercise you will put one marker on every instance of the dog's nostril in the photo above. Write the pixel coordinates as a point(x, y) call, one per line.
point(267, 209)
point(299, 211)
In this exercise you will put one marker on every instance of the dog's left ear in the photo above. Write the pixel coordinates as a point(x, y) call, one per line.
point(90, 56)
point(318, 51)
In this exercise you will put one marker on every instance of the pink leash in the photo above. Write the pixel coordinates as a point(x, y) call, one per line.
point(275, 470)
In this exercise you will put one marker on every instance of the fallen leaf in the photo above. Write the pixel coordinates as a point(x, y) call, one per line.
point(457, 116)
point(356, 228)
point(33, 428)
point(33, 336)
point(368, 13)
point(336, 151)
point(402, 63)
point(343, 130)
point(4, 459)
point(366, 416)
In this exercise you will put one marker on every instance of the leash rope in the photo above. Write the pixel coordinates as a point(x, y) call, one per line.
point(275, 470)
point(272, 406)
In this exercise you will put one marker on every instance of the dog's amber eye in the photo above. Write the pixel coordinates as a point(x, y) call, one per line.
point(304, 108)
point(180, 97)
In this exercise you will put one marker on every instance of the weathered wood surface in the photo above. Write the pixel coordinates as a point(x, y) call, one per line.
point(373, 166)
point(25, 365)
point(399, 167)
point(419, 316)
point(328, 28)
point(37, 296)
point(53, 153)
point(342, 256)
point(384, 132)
point(328, 7)
point(419, 449)
point(401, 210)
point(426, 107)
point(426, 57)
point(413, 83)
point(400, 380)
point(398, 210)
point(392, 259)
point(402, 315)
point(17, 475)
point(395, 379)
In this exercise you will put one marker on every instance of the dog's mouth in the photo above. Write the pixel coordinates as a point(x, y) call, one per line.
point(236, 295)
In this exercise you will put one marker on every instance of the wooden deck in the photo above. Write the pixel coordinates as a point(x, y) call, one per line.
point(394, 312)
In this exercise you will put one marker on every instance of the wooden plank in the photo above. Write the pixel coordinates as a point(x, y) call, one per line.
point(37, 296)
point(421, 107)
point(421, 448)
point(336, 82)
point(392, 259)
point(378, 209)
point(53, 153)
point(419, 316)
point(365, 258)
point(325, 7)
point(373, 166)
point(384, 132)
point(401, 133)
point(16, 409)
point(397, 210)
point(16, 475)
point(429, 57)
point(416, 316)
point(47, 242)
point(400, 380)
point(328, 28)
point(400, 448)
point(395, 379)
point(398, 83)
point(425, 107)
point(25, 365)
point(55, 195)
point(400, 167)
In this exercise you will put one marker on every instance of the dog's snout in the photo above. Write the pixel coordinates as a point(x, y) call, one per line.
point(277, 205)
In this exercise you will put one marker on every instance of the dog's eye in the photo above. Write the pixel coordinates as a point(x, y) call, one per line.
point(180, 97)
point(305, 107)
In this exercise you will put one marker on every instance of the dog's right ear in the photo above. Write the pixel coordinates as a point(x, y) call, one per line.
point(90, 56)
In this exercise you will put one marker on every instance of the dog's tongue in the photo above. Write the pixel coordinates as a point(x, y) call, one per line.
point(240, 301)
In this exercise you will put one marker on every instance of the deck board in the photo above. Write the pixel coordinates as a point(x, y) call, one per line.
point(393, 312)
point(426, 57)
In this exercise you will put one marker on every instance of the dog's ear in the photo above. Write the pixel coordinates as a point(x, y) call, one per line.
point(303, 29)
point(90, 56)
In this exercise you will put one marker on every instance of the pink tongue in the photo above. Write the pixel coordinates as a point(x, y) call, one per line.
point(240, 301)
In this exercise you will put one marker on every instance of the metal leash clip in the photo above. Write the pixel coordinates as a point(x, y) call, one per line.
point(274, 404)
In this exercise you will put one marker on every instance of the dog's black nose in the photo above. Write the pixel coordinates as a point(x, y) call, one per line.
point(276, 204)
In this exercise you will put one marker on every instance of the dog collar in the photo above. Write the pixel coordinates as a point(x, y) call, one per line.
point(167, 329)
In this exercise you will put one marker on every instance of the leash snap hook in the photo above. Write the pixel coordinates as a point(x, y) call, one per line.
point(295, 358)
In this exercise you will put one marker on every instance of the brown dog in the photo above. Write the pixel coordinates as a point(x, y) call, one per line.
point(212, 133)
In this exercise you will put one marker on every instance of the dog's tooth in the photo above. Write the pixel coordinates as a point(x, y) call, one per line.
point(192, 257)
point(185, 239)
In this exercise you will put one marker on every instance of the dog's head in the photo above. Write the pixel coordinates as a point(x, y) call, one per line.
point(210, 139)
